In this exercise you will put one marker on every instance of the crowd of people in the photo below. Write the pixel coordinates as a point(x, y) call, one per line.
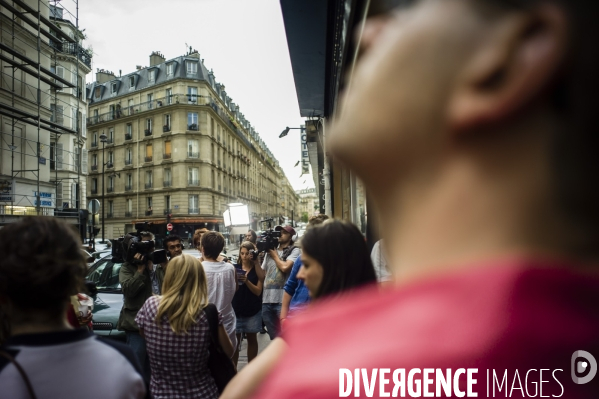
point(472, 124)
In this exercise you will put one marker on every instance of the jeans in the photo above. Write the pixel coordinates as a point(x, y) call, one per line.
point(138, 345)
point(270, 316)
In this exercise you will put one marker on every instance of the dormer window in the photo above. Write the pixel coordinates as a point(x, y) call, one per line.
point(113, 88)
point(192, 67)
point(131, 82)
point(170, 69)
point(97, 92)
point(151, 75)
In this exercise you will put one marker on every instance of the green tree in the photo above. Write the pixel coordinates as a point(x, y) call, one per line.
point(304, 217)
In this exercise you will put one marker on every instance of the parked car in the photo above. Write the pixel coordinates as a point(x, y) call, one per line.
point(108, 301)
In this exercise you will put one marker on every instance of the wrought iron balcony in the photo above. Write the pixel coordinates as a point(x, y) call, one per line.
point(128, 214)
point(94, 143)
point(128, 161)
point(109, 215)
point(94, 191)
point(193, 126)
point(167, 183)
point(194, 211)
point(128, 187)
point(110, 190)
point(148, 213)
point(193, 182)
point(193, 154)
point(166, 128)
point(110, 140)
point(148, 132)
point(166, 156)
point(148, 159)
point(149, 185)
point(94, 168)
point(128, 136)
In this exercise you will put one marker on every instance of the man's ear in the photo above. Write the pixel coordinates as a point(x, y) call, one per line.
point(516, 63)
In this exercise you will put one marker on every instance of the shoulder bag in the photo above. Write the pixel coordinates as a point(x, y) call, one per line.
point(220, 365)
point(21, 371)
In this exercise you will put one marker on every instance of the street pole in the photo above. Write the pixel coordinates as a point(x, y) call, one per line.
point(103, 138)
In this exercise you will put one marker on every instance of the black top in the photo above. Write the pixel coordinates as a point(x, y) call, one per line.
point(245, 302)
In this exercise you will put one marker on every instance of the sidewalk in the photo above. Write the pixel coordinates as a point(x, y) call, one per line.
point(263, 342)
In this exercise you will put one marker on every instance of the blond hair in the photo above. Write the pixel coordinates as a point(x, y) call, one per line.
point(185, 293)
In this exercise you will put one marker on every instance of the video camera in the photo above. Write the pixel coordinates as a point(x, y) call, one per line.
point(125, 248)
point(269, 239)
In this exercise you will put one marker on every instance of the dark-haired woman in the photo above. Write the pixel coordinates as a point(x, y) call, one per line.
point(247, 301)
point(335, 260)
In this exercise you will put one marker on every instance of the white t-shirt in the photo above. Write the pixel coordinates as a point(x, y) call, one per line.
point(275, 280)
point(221, 290)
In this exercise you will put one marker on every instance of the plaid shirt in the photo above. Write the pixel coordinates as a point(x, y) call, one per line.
point(179, 363)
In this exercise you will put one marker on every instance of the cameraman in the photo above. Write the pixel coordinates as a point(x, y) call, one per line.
point(136, 285)
point(277, 265)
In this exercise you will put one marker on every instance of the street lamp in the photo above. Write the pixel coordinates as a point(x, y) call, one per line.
point(286, 131)
point(103, 139)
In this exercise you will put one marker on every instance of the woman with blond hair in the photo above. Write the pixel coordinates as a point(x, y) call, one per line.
point(177, 333)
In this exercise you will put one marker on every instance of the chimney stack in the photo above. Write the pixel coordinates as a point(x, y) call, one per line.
point(103, 76)
point(156, 58)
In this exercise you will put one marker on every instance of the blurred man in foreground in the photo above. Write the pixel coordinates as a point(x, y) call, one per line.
point(472, 123)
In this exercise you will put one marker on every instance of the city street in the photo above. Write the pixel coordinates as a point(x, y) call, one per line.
point(263, 342)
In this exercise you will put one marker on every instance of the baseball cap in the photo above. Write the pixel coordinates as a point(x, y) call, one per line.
point(288, 229)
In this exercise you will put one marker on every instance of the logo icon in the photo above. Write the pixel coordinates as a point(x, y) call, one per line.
point(584, 367)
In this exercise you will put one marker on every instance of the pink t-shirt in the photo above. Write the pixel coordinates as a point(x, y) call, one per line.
point(510, 318)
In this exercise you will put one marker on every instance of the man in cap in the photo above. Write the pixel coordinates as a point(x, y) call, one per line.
point(277, 265)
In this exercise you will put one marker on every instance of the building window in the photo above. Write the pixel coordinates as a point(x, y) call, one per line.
point(192, 67)
point(150, 100)
point(151, 75)
point(113, 88)
point(193, 149)
point(192, 95)
point(169, 96)
point(110, 136)
point(94, 139)
point(110, 209)
point(128, 131)
point(194, 207)
point(167, 123)
point(129, 182)
point(149, 179)
point(128, 156)
point(98, 91)
point(94, 162)
point(110, 162)
point(149, 206)
point(193, 176)
point(192, 121)
point(148, 130)
point(170, 69)
point(168, 178)
point(94, 186)
point(128, 207)
point(131, 82)
point(148, 157)
point(167, 203)
point(167, 150)
point(110, 184)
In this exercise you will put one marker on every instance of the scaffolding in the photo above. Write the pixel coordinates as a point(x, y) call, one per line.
point(37, 58)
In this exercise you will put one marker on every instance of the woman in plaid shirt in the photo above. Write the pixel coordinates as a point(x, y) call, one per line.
point(177, 333)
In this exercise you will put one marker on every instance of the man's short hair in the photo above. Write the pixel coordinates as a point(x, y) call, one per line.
point(317, 219)
point(170, 238)
point(146, 234)
point(213, 243)
point(42, 264)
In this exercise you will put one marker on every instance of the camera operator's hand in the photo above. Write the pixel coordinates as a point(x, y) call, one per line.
point(142, 266)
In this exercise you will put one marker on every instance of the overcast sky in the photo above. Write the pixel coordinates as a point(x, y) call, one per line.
point(243, 41)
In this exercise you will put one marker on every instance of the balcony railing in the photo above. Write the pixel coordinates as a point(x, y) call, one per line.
point(94, 191)
point(193, 154)
point(148, 213)
point(194, 211)
point(128, 187)
point(193, 126)
point(110, 190)
point(128, 161)
point(148, 159)
point(148, 132)
point(94, 168)
point(193, 182)
point(166, 128)
point(94, 143)
point(166, 156)
point(110, 140)
point(149, 185)
point(167, 183)
point(84, 55)
point(128, 136)
point(128, 214)
point(109, 215)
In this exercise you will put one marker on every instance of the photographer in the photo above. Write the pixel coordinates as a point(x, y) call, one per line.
point(137, 280)
point(277, 265)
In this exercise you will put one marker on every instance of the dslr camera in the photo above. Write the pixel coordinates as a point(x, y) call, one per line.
point(254, 254)
point(269, 239)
